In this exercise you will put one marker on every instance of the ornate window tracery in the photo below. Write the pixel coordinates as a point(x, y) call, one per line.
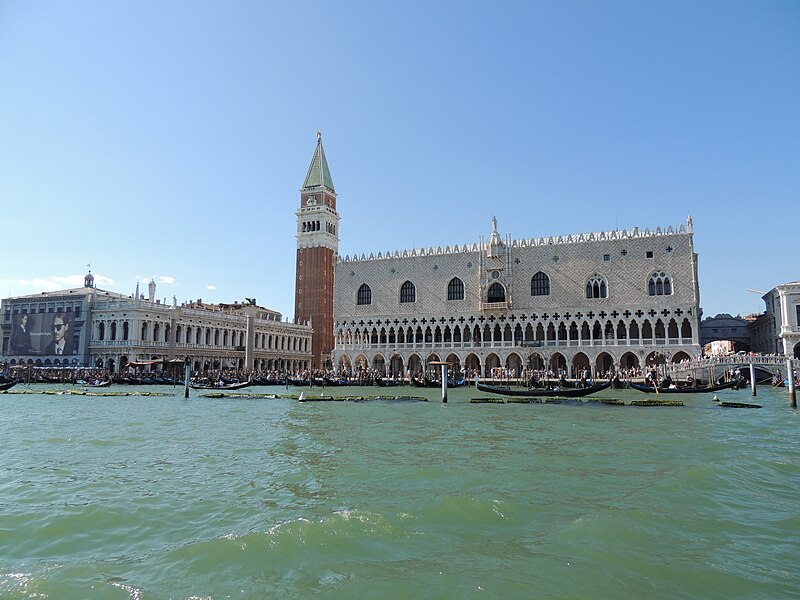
point(659, 284)
point(596, 287)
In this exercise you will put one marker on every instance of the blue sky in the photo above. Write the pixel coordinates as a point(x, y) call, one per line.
point(168, 140)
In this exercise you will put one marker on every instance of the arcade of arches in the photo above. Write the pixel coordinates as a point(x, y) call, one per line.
point(575, 364)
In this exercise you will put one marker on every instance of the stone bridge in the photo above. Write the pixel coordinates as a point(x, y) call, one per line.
point(713, 367)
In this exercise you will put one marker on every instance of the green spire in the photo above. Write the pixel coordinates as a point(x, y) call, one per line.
point(318, 172)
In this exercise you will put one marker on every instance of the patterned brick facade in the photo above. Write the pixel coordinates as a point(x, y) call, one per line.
point(602, 300)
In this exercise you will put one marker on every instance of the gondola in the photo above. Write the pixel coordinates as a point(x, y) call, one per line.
point(297, 382)
point(225, 386)
point(618, 384)
point(437, 383)
point(381, 382)
point(542, 393)
point(684, 390)
point(7, 385)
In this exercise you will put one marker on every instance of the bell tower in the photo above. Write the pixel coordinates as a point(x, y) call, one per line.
point(317, 250)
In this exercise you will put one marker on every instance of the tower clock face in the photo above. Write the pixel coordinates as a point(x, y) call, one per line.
point(495, 274)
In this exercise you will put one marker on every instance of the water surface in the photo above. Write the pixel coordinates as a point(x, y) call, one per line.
point(162, 497)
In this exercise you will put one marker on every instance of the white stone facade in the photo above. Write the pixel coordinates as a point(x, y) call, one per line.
point(644, 300)
point(777, 331)
point(111, 330)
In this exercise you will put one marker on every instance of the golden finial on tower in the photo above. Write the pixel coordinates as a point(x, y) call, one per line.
point(319, 135)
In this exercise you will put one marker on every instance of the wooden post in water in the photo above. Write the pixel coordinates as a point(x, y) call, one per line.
point(186, 373)
point(444, 382)
point(444, 378)
point(753, 379)
point(790, 382)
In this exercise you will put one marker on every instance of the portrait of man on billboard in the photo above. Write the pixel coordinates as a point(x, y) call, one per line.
point(21, 334)
point(61, 342)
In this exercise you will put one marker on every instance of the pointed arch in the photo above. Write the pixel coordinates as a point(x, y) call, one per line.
point(455, 289)
point(540, 284)
point(408, 292)
point(496, 293)
point(364, 295)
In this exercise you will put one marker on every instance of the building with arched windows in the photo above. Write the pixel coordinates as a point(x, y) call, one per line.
point(599, 301)
point(99, 328)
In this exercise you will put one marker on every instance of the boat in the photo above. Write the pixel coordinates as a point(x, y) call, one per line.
point(381, 382)
point(618, 384)
point(683, 390)
point(223, 386)
point(437, 383)
point(98, 383)
point(575, 392)
point(297, 382)
point(7, 385)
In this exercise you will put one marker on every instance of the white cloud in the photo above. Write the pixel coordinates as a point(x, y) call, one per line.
point(58, 282)
point(211, 287)
point(166, 279)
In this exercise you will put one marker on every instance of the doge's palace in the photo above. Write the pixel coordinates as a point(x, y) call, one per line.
point(601, 301)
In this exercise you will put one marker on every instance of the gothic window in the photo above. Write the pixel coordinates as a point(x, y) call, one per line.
point(596, 287)
point(102, 332)
point(364, 295)
point(455, 289)
point(408, 293)
point(659, 284)
point(497, 293)
point(540, 285)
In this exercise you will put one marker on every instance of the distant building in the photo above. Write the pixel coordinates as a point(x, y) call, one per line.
point(777, 331)
point(92, 327)
point(733, 331)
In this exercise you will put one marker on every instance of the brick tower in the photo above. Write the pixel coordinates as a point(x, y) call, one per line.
point(317, 249)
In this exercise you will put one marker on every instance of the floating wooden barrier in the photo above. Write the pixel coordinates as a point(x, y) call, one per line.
point(83, 393)
point(304, 398)
point(655, 402)
point(738, 405)
point(526, 400)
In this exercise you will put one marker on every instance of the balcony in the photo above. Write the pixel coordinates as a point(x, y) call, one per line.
point(495, 305)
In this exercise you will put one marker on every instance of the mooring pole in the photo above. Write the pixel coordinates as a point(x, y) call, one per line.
point(790, 382)
point(753, 379)
point(186, 374)
point(444, 382)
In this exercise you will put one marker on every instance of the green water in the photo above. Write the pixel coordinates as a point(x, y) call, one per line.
point(162, 497)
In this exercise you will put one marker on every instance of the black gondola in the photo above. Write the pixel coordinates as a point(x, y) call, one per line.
point(225, 386)
point(543, 393)
point(7, 385)
point(683, 390)
point(437, 383)
point(381, 382)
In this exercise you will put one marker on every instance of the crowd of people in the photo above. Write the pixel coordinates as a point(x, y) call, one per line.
point(362, 375)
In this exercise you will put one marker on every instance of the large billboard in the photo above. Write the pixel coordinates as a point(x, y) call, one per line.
point(51, 334)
